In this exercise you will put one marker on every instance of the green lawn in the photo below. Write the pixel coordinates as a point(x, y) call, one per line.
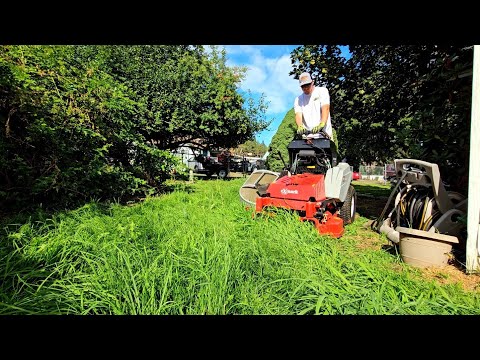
point(197, 250)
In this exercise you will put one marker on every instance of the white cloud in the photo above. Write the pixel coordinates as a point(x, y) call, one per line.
point(267, 74)
point(268, 67)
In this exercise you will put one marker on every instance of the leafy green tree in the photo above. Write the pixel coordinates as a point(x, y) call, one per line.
point(60, 121)
point(251, 147)
point(99, 122)
point(278, 152)
point(188, 96)
point(397, 101)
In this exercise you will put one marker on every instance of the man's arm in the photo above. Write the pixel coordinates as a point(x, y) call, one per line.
point(298, 112)
point(298, 118)
point(324, 116)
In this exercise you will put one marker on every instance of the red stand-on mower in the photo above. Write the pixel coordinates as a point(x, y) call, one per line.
point(313, 184)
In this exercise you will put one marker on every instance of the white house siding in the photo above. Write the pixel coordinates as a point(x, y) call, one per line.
point(473, 217)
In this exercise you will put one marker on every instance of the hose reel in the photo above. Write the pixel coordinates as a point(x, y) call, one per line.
point(421, 202)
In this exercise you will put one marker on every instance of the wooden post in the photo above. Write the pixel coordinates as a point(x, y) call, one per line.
point(384, 174)
point(190, 176)
point(473, 217)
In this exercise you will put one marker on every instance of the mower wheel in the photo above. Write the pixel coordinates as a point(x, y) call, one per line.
point(349, 206)
point(222, 173)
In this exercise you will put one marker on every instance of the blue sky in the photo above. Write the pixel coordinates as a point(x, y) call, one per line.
point(267, 74)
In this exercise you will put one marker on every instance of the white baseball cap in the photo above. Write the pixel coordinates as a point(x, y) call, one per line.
point(305, 78)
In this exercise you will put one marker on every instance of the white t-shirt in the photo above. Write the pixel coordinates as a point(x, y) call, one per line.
point(311, 106)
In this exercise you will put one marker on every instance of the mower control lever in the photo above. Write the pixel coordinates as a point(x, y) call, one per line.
point(317, 135)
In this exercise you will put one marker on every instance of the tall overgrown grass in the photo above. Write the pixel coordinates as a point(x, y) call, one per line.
point(197, 250)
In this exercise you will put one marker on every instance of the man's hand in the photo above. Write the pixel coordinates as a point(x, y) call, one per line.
point(301, 130)
point(318, 128)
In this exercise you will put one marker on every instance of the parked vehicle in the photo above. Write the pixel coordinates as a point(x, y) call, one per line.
point(211, 166)
point(219, 163)
point(246, 165)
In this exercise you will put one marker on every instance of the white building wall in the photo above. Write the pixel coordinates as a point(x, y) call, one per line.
point(473, 217)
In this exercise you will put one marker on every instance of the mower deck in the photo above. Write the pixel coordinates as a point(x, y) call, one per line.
point(316, 187)
point(304, 193)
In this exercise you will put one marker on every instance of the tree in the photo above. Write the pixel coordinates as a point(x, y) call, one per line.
point(61, 119)
point(397, 102)
point(188, 96)
point(99, 122)
point(251, 147)
point(278, 152)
